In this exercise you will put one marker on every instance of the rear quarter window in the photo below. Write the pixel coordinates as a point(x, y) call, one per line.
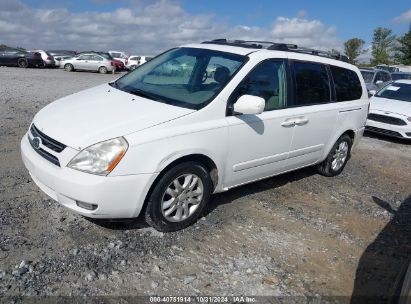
point(347, 84)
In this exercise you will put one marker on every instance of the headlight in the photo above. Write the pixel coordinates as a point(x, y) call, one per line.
point(101, 158)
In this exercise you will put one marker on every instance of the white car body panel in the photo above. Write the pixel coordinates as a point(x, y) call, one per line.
point(244, 148)
point(112, 113)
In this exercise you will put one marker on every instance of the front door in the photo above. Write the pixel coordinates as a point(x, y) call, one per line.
point(259, 144)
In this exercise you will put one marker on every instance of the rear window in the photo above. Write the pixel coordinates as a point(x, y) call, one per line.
point(312, 83)
point(400, 76)
point(368, 76)
point(347, 84)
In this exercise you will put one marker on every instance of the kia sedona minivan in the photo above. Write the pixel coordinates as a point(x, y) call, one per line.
point(196, 120)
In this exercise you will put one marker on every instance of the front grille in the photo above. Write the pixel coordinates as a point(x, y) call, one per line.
point(383, 131)
point(386, 119)
point(47, 141)
point(45, 154)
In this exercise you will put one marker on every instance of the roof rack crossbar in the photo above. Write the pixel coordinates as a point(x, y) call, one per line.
point(286, 47)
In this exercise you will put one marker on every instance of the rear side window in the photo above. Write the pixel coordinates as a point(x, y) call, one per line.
point(346, 83)
point(386, 77)
point(312, 84)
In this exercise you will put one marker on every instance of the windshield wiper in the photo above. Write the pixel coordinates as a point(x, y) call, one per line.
point(141, 93)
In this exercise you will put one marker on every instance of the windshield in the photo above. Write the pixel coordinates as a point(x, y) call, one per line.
point(367, 76)
point(186, 77)
point(398, 91)
point(395, 76)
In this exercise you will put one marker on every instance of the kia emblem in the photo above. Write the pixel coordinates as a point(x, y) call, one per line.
point(36, 142)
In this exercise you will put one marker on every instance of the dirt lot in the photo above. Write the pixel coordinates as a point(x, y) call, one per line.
point(296, 234)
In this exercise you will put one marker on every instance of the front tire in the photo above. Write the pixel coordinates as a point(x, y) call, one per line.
point(337, 158)
point(69, 67)
point(179, 197)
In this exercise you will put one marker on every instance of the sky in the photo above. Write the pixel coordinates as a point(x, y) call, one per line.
point(147, 27)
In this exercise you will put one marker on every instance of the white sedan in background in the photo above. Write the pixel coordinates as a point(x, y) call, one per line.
point(135, 61)
point(390, 110)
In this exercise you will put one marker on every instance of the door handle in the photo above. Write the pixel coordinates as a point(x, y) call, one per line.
point(288, 123)
point(301, 121)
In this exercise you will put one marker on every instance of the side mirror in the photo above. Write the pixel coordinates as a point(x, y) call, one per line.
point(249, 104)
point(371, 93)
point(378, 82)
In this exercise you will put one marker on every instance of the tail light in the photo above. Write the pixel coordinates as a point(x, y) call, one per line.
point(49, 58)
point(112, 63)
point(126, 60)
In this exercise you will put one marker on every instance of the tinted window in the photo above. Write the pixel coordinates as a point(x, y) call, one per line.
point(312, 83)
point(346, 83)
point(267, 80)
point(379, 77)
point(397, 76)
point(84, 57)
point(97, 58)
point(368, 76)
point(386, 77)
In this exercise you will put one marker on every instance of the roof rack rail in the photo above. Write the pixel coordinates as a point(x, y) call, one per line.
point(286, 47)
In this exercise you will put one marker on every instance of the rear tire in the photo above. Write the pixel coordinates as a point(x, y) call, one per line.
point(179, 197)
point(69, 67)
point(102, 70)
point(22, 63)
point(337, 158)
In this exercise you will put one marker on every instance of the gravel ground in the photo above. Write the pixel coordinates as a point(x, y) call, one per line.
point(296, 234)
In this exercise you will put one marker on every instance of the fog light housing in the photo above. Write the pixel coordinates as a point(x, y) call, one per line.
point(86, 205)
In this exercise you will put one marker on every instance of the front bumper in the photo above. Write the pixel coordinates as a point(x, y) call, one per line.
point(115, 196)
point(388, 129)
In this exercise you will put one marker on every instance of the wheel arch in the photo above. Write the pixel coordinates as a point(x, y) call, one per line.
point(203, 159)
point(350, 132)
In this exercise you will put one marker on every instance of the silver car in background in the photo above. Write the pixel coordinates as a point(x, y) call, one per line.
point(88, 62)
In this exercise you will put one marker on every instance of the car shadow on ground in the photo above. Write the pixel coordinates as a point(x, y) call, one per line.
point(381, 265)
point(217, 199)
point(257, 187)
point(396, 140)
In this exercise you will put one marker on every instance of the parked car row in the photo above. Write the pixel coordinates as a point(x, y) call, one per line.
point(102, 62)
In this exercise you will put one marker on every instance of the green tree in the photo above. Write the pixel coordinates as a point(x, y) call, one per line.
point(404, 49)
point(383, 43)
point(353, 48)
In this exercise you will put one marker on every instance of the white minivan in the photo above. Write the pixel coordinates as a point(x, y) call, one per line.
point(161, 139)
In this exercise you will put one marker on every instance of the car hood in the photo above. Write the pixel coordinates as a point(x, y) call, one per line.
point(100, 113)
point(390, 105)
